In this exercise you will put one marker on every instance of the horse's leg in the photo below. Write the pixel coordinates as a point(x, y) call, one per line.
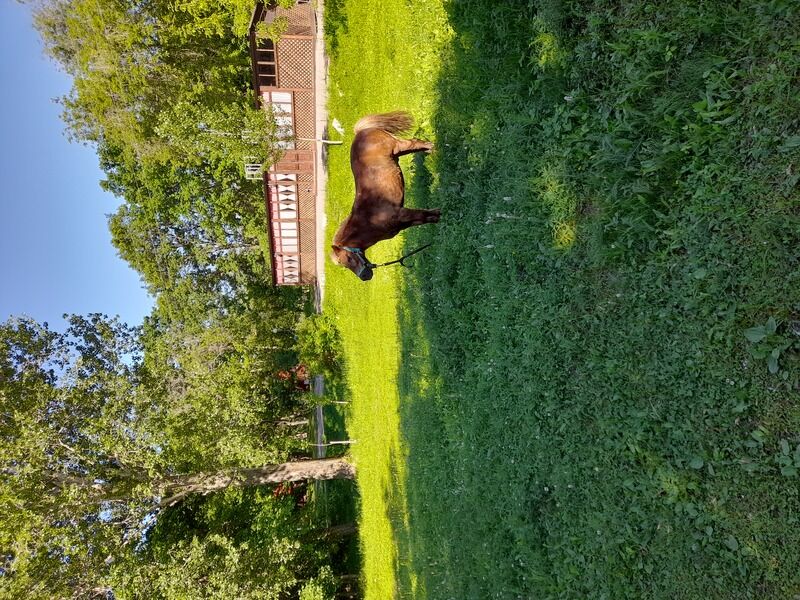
point(403, 147)
point(411, 216)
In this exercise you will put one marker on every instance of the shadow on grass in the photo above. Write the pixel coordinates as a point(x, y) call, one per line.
point(460, 479)
point(570, 374)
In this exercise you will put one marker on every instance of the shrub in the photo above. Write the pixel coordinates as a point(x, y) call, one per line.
point(319, 346)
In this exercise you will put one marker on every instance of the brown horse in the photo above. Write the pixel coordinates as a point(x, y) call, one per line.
point(378, 213)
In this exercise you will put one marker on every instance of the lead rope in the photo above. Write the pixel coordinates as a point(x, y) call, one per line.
point(402, 258)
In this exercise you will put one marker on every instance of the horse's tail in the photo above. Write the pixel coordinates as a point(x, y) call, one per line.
point(393, 122)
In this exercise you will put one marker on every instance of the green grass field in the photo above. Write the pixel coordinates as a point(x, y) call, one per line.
point(589, 387)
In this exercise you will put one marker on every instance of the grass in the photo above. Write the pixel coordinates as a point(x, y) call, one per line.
point(588, 386)
point(367, 315)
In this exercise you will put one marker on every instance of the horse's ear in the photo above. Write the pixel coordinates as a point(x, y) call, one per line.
point(334, 255)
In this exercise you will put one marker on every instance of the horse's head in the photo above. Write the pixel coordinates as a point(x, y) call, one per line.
point(353, 259)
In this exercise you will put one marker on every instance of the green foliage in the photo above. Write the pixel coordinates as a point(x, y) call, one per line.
point(768, 344)
point(274, 30)
point(619, 187)
point(319, 345)
point(72, 446)
point(321, 587)
point(134, 63)
point(164, 93)
point(217, 379)
point(103, 423)
point(335, 24)
point(190, 224)
point(236, 544)
point(229, 135)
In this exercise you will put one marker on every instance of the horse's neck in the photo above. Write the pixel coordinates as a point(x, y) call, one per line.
point(340, 238)
point(348, 236)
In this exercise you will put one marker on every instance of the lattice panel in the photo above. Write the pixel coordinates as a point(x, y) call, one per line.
point(304, 115)
point(308, 267)
point(300, 17)
point(307, 209)
point(307, 236)
point(296, 63)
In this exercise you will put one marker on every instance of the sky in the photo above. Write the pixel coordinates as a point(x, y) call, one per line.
point(56, 255)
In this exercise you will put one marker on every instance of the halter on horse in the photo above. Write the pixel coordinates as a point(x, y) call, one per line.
point(366, 265)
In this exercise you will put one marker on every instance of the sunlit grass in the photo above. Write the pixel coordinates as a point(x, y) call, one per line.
point(396, 65)
point(560, 202)
point(547, 50)
point(368, 323)
point(564, 234)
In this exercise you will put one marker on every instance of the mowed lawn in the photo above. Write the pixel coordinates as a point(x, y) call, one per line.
point(589, 386)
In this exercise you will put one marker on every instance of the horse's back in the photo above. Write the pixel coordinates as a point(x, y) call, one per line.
point(372, 146)
point(376, 172)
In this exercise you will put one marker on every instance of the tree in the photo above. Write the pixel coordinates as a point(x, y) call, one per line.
point(240, 543)
point(67, 403)
point(219, 375)
point(179, 223)
point(107, 428)
point(86, 465)
point(144, 71)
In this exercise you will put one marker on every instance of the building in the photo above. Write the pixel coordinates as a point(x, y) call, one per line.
point(283, 81)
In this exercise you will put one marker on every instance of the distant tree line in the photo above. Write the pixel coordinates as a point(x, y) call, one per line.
point(133, 458)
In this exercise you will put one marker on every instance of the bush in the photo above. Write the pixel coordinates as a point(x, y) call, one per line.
point(322, 587)
point(319, 346)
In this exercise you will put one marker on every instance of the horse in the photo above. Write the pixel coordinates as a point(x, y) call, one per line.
point(378, 213)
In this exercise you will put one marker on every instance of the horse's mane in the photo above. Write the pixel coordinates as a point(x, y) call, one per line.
point(393, 122)
point(345, 223)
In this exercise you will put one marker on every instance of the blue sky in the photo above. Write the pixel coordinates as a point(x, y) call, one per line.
point(55, 249)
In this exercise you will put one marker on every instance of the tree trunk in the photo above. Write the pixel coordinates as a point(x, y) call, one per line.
point(331, 534)
point(176, 488)
point(341, 531)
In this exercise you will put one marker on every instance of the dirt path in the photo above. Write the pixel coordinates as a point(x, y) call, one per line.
point(321, 128)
